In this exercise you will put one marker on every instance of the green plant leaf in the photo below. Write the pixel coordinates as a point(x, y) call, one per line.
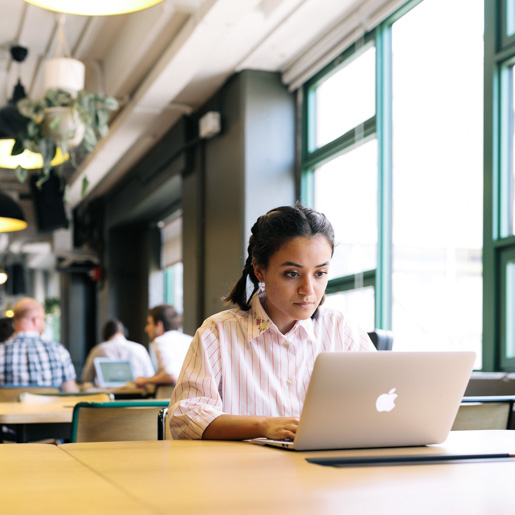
point(21, 174)
point(58, 98)
point(54, 123)
point(47, 148)
point(85, 184)
point(111, 103)
point(90, 140)
point(43, 176)
point(32, 109)
point(66, 193)
point(18, 148)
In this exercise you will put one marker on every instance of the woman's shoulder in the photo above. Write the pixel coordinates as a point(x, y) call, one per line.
point(330, 317)
point(228, 315)
point(325, 312)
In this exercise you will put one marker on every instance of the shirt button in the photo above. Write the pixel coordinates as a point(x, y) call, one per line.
point(286, 345)
point(289, 382)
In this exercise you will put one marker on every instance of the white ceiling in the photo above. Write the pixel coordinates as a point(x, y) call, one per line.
point(166, 61)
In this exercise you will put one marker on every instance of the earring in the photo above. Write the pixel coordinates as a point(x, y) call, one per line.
point(261, 286)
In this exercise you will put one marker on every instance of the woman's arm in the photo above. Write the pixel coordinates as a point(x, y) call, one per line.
point(244, 427)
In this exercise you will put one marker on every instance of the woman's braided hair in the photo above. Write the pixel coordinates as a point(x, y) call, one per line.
point(270, 232)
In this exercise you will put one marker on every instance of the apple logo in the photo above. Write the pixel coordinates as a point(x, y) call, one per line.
point(386, 401)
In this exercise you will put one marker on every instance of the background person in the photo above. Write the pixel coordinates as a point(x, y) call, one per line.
point(116, 346)
point(28, 359)
point(169, 344)
point(248, 368)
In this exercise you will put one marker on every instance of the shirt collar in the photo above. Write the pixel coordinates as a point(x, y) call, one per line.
point(260, 322)
point(27, 333)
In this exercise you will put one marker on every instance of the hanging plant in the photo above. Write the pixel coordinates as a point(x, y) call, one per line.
point(60, 123)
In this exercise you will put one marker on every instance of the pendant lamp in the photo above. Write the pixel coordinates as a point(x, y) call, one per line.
point(11, 215)
point(13, 123)
point(3, 276)
point(94, 7)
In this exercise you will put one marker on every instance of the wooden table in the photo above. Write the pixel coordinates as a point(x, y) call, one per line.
point(37, 421)
point(242, 478)
point(42, 479)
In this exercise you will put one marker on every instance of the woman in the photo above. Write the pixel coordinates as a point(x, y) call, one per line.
point(247, 370)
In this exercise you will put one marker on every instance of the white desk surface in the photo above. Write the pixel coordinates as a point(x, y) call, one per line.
point(242, 478)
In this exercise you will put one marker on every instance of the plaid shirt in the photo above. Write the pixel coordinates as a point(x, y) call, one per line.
point(27, 359)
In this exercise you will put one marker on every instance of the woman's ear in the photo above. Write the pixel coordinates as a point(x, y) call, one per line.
point(258, 271)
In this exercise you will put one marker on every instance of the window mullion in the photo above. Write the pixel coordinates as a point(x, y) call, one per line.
point(384, 136)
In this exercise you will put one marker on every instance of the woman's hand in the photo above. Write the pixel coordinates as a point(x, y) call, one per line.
point(280, 428)
point(245, 427)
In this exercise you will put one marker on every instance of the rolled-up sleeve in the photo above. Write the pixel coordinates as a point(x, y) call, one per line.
point(196, 399)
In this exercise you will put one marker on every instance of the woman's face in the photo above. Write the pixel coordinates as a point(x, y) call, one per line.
point(295, 279)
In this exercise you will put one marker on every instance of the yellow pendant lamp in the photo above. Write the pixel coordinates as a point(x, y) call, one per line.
point(94, 7)
point(11, 215)
point(27, 159)
point(12, 123)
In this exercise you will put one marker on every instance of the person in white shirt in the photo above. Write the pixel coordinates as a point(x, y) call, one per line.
point(116, 346)
point(169, 344)
point(248, 368)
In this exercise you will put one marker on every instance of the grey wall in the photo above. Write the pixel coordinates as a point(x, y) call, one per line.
point(222, 185)
point(237, 176)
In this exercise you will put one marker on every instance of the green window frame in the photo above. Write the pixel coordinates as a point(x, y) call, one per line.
point(499, 241)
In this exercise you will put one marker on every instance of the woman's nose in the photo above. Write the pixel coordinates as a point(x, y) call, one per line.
point(306, 287)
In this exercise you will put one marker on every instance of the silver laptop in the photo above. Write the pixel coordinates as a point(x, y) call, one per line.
point(113, 373)
point(380, 399)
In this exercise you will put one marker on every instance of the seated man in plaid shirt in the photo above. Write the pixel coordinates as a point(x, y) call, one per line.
point(28, 359)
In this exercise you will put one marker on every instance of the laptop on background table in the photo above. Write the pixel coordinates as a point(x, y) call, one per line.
point(113, 373)
point(380, 399)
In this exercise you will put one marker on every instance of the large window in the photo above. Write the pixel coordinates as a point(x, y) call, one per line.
point(437, 167)
point(401, 175)
point(171, 259)
point(499, 262)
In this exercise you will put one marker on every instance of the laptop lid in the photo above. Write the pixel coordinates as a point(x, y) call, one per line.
point(112, 373)
point(382, 399)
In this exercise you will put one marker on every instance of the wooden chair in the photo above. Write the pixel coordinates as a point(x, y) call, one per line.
point(64, 398)
point(494, 412)
point(116, 421)
point(163, 426)
point(11, 393)
point(164, 391)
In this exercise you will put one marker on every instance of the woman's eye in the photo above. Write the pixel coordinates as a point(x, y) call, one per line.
point(292, 274)
point(321, 273)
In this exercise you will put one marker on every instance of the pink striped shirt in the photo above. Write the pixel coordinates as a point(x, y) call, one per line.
point(239, 363)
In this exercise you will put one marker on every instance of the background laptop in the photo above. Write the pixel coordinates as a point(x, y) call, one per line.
point(381, 399)
point(112, 373)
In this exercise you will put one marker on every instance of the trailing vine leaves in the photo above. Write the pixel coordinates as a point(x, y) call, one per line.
point(92, 110)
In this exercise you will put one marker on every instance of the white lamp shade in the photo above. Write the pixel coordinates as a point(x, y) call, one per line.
point(64, 73)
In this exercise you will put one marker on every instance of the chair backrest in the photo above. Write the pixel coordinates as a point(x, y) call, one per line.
point(491, 383)
point(164, 391)
point(116, 421)
point(163, 426)
point(11, 393)
point(64, 397)
point(490, 413)
point(382, 339)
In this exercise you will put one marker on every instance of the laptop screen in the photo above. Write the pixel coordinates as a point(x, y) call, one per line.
point(113, 372)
